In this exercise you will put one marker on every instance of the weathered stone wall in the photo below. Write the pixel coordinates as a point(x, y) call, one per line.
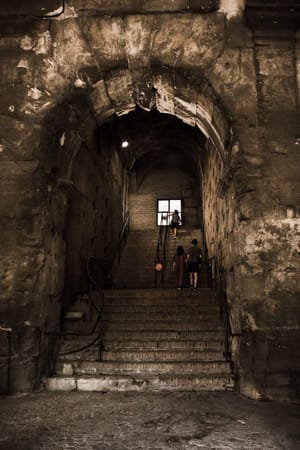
point(266, 283)
point(210, 71)
point(95, 212)
point(51, 161)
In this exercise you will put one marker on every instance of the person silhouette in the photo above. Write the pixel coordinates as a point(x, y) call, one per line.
point(178, 268)
point(194, 258)
point(175, 222)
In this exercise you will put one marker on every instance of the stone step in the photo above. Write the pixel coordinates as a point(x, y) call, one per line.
point(164, 345)
point(144, 293)
point(132, 326)
point(163, 325)
point(147, 267)
point(129, 345)
point(153, 339)
point(182, 301)
point(143, 282)
point(142, 336)
point(161, 382)
point(135, 309)
point(184, 316)
point(183, 354)
point(144, 368)
point(162, 356)
point(127, 282)
point(179, 309)
point(147, 262)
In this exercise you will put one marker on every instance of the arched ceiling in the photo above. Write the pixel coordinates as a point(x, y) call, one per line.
point(156, 140)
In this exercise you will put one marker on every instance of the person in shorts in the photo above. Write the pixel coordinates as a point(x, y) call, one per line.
point(194, 258)
point(175, 222)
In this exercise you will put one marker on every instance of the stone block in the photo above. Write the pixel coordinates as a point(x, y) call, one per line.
point(120, 91)
point(100, 102)
point(61, 384)
point(105, 36)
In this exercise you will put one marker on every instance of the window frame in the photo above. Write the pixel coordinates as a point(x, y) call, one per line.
point(163, 216)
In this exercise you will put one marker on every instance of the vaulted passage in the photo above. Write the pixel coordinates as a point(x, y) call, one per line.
point(104, 112)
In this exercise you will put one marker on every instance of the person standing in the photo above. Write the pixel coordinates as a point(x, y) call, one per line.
point(194, 258)
point(175, 222)
point(179, 265)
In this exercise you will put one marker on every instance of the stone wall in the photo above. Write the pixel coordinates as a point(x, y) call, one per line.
point(95, 213)
point(60, 204)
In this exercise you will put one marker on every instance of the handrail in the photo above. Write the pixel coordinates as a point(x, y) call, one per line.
point(216, 278)
point(98, 338)
point(8, 331)
point(122, 237)
point(160, 256)
point(165, 241)
point(94, 286)
point(125, 226)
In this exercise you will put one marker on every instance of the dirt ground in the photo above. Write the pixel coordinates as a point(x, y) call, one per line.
point(146, 421)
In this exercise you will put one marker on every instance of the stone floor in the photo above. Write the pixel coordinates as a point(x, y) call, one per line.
point(159, 421)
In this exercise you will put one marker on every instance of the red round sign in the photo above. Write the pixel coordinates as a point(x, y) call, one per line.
point(158, 267)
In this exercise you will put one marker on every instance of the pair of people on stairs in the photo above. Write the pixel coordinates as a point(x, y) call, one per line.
point(193, 258)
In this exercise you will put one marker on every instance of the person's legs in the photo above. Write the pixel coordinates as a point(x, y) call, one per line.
point(191, 279)
point(195, 280)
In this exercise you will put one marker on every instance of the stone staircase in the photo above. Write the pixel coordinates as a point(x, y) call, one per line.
point(153, 339)
point(136, 268)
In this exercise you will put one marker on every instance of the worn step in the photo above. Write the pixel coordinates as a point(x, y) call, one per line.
point(184, 354)
point(156, 335)
point(162, 355)
point(189, 298)
point(181, 324)
point(164, 345)
point(151, 292)
point(178, 308)
point(186, 297)
point(137, 342)
point(170, 316)
point(153, 339)
point(142, 367)
point(199, 382)
point(162, 325)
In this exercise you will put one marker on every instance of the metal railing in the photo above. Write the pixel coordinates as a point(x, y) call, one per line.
point(122, 237)
point(52, 354)
point(99, 272)
point(160, 257)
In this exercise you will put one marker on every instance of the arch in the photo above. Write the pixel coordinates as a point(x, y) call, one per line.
point(184, 94)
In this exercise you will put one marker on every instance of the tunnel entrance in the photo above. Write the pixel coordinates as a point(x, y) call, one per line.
point(91, 183)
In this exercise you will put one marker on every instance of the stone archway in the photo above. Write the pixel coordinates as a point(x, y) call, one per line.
point(64, 139)
point(182, 93)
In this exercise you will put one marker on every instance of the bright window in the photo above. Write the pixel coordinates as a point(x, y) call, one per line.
point(165, 208)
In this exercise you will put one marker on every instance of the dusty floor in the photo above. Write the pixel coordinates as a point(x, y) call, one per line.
point(117, 421)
